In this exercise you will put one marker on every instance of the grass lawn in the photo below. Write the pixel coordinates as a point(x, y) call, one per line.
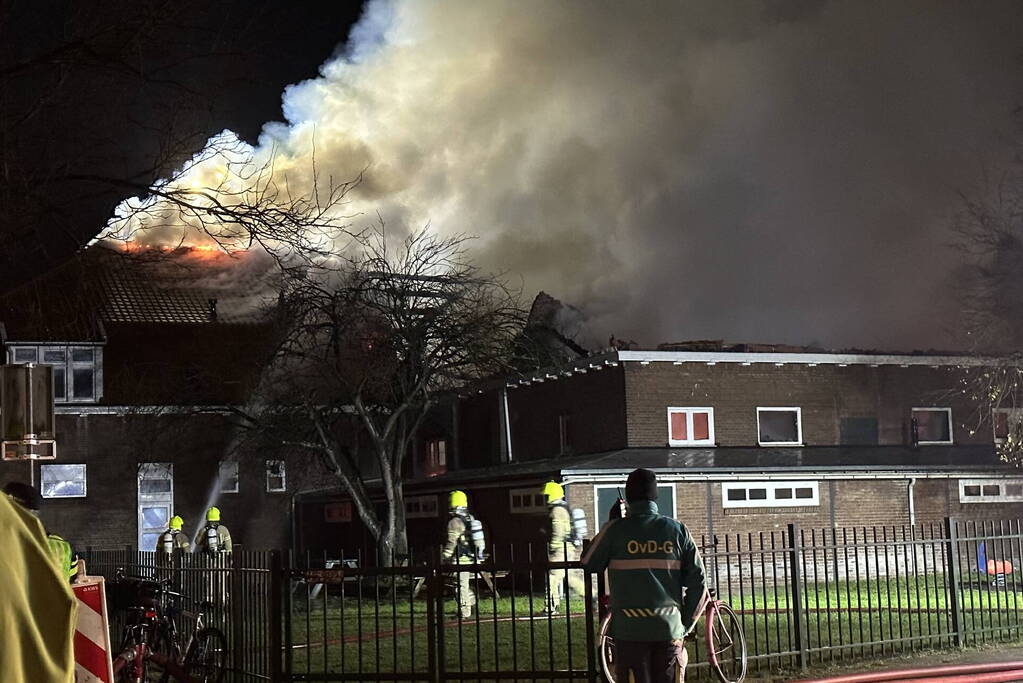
point(840, 620)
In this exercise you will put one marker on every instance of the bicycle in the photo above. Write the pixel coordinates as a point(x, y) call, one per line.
point(151, 635)
point(726, 643)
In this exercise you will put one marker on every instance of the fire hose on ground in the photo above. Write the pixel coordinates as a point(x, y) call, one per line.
point(992, 672)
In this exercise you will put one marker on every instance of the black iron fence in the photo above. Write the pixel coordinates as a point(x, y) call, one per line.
point(805, 597)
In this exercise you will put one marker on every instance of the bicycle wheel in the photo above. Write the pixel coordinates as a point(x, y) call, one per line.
point(206, 658)
point(607, 650)
point(726, 644)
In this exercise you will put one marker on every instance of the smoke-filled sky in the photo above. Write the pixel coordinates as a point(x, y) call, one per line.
point(775, 172)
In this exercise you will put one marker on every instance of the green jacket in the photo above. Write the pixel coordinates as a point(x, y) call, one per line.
point(655, 572)
point(65, 558)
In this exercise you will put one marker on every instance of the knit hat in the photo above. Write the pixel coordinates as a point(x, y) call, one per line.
point(25, 495)
point(641, 485)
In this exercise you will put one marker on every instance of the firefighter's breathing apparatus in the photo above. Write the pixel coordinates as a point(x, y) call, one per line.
point(579, 528)
point(212, 537)
point(479, 542)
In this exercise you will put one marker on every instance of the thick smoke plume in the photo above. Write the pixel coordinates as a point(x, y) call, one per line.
point(777, 172)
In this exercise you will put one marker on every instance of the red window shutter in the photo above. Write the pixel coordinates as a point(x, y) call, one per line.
point(701, 426)
point(678, 427)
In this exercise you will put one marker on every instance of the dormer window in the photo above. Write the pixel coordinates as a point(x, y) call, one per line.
point(77, 370)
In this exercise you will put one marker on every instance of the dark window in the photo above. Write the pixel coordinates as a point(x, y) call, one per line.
point(758, 494)
point(736, 494)
point(782, 494)
point(81, 382)
point(1015, 490)
point(778, 426)
point(858, 431)
point(992, 490)
point(804, 493)
point(933, 426)
point(971, 490)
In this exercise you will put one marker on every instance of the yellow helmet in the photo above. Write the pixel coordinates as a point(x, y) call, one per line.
point(458, 499)
point(213, 514)
point(176, 523)
point(553, 491)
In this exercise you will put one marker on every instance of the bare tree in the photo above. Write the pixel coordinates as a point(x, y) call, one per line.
point(990, 236)
point(365, 350)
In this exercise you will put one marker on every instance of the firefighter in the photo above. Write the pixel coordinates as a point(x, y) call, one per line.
point(464, 545)
point(173, 539)
point(657, 585)
point(565, 532)
point(214, 538)
point(66, 559)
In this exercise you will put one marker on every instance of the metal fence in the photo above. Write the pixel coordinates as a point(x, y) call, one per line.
point(806, 597)
point(240, 586)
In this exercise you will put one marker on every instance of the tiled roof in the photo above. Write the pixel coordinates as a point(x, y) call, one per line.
point(101, 286)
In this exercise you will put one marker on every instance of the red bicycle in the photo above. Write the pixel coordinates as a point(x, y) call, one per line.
point(726, 643)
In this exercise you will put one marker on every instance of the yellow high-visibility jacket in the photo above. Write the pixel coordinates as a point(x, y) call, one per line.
point(38, 611)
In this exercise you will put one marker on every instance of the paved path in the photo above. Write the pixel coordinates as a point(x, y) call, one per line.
point(1002, 652)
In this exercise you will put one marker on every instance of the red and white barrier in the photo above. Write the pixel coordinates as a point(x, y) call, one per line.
point(92, 634)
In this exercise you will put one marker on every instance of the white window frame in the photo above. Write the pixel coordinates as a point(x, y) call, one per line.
point(533, 509)
point(771, 501)
point(284, 476)
point(220, 476)
point(709, 441)
point(1002, 497)
point(421, 513)
point(85, 480)
point(948, 414)
point(621, 487)
point(68, 366)
point(799, 425)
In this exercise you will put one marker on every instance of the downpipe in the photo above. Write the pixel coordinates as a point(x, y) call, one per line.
point(991, 672)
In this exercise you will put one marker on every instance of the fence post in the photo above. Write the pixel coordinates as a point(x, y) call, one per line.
point(796, 595)
point(953, 575)
point(277, 588)
point(233, 583)
point(435, 617)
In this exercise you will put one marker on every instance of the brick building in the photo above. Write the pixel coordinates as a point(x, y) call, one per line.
point(743, 439)
point(146, 373)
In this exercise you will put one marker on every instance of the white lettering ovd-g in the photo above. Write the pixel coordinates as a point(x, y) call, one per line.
point(635, 547)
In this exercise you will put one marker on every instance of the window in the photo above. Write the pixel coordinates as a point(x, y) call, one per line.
point(779, 427)
point(527, 501)
point(605, 496)
point(337, 513)
point(858, 431)
point(990, 490)
point(1005, 422)
point(690, 426)
point(932, 426)
point(155, 501)
point(63, 481)
point(77, 370)
point(436, 461)
point(421, 506)
point(768, 494)
point(228, 476)
point(275, 481)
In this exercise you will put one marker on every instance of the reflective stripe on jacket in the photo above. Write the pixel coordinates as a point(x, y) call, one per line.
point(655, 572)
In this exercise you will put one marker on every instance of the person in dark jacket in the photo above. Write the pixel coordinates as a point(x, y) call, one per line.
point(657, 585)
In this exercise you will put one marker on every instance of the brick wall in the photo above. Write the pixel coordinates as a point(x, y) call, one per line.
point(825, 394)
point(112, 447)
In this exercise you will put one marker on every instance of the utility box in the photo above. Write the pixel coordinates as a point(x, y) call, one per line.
point(26, 412)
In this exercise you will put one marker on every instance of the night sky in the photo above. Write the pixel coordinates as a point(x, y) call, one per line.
point(773, 172)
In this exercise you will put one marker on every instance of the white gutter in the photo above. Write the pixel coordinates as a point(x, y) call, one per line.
point(507, 423)
point(912, 504)
point(801, 358)
point(789, 475)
